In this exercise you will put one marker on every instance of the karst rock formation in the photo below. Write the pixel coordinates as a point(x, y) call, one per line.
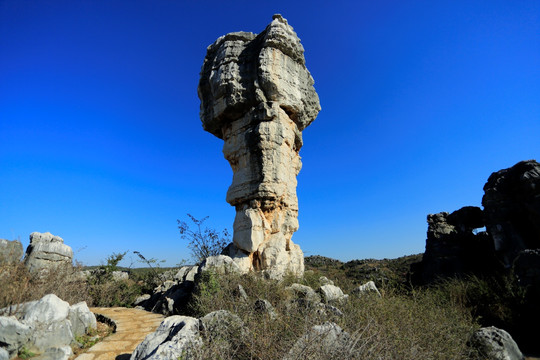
point(257, 95)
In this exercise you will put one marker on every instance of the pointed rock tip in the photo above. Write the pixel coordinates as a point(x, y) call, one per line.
point(279, 17)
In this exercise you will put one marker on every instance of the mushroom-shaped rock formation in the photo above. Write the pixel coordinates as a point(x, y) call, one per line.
point(257, 95)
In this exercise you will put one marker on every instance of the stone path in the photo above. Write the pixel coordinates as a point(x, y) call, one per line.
point(132, 326)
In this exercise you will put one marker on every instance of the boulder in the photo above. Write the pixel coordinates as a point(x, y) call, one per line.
point(331, 294)
point(81, 318)
point(257, 95)
point(323, 280)
point(13, 334)
point(57, 353)
point(222, 324)
point(11, 252)
point(4, 355)
point(326, 341)
point(175, 338)
point(220, 264)
point(495, 344)
point(368, 288)
point(47, 251)
point(512, 209)
point(300, 291)
point(45, 325)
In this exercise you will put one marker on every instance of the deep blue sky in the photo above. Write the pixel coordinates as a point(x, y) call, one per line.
point(101, 142)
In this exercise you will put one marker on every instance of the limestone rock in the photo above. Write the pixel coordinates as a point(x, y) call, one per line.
point(527, 268)
point(13, 334)
point(47, 251)
point(221, 324)
point(81, 318)
point(4, 355)
point(512, 209)
point(300, 291)
point(240, 293)
point(257, 95)
point(175, 338)
point(220, 264)
point(56, 353)
point(331, 293)
point(495, 344)
point(327, 341)
point(48, 309)
point(323, 280)
point(366, 289)
point(11, 252)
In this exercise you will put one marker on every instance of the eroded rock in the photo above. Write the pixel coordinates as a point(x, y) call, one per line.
point(257, 95)
point(47, 251)
point(495, 344)
point(512, 209)
point(11, 252)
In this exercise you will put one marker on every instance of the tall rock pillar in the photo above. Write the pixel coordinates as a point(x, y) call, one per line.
point(257, 95)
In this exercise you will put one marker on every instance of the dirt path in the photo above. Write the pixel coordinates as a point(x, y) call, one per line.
point(132, 325)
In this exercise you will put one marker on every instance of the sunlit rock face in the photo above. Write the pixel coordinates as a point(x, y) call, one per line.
point(257, 95)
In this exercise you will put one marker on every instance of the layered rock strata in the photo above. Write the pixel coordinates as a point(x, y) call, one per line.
point(47, 251)
point(257, 95)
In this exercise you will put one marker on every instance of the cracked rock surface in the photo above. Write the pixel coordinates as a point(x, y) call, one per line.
point(257, 95)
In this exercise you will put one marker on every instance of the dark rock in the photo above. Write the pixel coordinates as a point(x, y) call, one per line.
point(454, 249)
point(512, 209)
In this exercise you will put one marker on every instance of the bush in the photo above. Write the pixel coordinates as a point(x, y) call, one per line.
point(203, 242)
point(18, 285)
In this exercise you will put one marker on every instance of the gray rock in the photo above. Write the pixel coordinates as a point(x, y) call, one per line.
point(11, 252)
point(527, 268)
point(13, 334)
point(48, 309)
point(140, 301)
point(331, 293)
point(51, 335)
point(47, 251)
point(222, 324)
point(323, 280)
point(81, 318)
point(119, 275)
point(176, 337)
point(220, 264)
point(263, 306)
point(55, 353)
point(257, 95)
point(495, 344)
point(368, 288)
point(4, 355)
point(300, 291)
point(327, 341)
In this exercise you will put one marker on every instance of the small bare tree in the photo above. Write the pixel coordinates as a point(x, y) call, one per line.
point(203, 242)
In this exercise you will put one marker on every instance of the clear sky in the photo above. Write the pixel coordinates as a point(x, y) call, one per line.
point(101, 141)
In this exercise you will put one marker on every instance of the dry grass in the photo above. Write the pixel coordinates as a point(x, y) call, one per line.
point(19, 285)
point(424, 325)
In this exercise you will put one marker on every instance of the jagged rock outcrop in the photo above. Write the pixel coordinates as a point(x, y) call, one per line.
point(512, 209)
point(47, 251)
point(257, 95)
point(453, 249)
point(11, 252)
